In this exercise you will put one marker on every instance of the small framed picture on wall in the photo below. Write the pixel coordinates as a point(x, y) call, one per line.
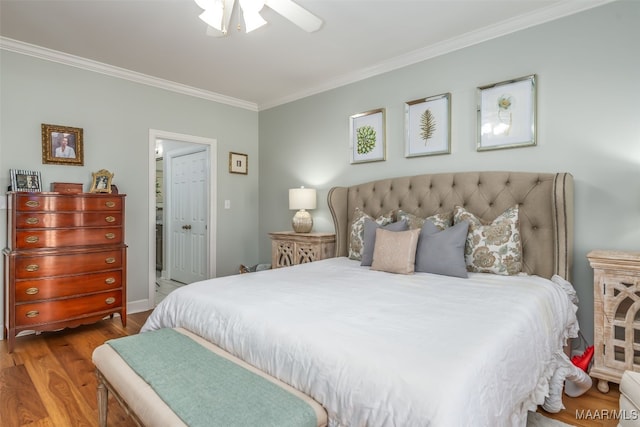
point(367, 138)
point(238, 163)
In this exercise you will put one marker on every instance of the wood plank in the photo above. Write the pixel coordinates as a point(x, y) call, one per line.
point(64, 402)
point(20, 403)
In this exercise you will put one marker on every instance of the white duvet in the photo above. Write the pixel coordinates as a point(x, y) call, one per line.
point(381, 349)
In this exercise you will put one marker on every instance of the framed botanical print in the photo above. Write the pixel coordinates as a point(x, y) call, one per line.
point(507, 114)
point(428, 126)
point(367, 140)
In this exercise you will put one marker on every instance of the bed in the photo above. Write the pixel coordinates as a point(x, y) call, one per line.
point(377, 348)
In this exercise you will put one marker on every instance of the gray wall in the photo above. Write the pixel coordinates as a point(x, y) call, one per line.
point(588, 71)
point(116, 116)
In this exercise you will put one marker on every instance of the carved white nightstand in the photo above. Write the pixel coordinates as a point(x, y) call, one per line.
point(291, 248)
point(616, 291)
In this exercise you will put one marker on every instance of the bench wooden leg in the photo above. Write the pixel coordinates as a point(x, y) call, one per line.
point(103, 401)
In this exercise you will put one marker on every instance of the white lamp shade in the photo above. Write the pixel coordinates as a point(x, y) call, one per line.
point(302, 198)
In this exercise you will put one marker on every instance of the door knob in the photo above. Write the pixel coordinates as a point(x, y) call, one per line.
point(186, 227)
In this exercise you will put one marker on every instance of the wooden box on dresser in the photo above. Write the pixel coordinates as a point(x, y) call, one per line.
point(291, 248)
point(65, 261)
point(616, 308)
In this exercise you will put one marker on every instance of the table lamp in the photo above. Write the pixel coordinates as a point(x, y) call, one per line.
point(302, 199)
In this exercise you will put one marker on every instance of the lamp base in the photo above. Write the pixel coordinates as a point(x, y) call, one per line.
point(302, 222)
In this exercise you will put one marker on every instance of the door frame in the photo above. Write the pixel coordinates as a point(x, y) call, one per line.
point(154, 135)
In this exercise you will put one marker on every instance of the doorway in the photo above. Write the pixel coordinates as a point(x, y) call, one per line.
point(182, 205)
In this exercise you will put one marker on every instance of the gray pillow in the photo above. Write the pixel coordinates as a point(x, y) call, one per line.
point(442, 251)
point(369, 237)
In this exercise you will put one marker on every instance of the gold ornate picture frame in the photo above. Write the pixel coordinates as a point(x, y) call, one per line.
point(62, 145)
point(101, 181)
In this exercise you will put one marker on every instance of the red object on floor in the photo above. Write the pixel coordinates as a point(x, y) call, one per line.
point(582, 360)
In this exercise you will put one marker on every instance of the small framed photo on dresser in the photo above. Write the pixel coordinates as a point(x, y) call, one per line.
point(101, 181)
point(25, 180)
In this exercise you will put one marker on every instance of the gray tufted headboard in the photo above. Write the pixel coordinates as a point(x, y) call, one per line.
point(545, 199)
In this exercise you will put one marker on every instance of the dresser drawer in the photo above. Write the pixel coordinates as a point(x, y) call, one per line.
point(31, 267)
point(33, 239)
point(67, 309)
point(57, 287)
point(67, 219)
point(60, 202)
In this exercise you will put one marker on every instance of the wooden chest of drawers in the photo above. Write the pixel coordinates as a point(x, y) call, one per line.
point(65, 261)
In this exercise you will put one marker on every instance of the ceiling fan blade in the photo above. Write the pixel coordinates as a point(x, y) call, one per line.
point(296, 14)
point(226, 14)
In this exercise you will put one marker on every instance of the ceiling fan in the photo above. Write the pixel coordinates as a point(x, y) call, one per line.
point(217, 14)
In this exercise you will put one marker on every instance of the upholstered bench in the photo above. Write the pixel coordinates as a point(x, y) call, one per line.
point(629, 399)
point(172, 377)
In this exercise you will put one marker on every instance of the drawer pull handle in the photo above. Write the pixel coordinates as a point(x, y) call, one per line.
point(32, 313)
point(31, 220)
point(110, 218)
point(110, 300)
point(110, 203)
point(110, 280)
point(32, 267)
point(110, 236)
point(31, 291)
point(32, 203)
point(32, 239)
point(110, 260)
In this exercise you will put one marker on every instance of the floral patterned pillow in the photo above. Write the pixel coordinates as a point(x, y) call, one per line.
point(440, 220)
point(493, 247)
point(356, 239)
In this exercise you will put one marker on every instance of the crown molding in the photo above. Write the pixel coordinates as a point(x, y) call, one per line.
point(541, 16)
point(39, 52)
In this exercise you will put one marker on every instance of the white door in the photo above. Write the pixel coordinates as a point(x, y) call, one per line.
point(188, 223)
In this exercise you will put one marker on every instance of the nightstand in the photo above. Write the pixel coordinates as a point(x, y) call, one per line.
point(291, 248)
point(616, 309)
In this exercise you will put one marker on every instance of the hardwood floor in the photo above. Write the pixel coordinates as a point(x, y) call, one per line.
point(49, 380)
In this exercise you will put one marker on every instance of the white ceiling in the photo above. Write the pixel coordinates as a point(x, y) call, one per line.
point(275, 64)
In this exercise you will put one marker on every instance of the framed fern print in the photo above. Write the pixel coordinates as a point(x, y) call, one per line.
point(428, 126)
point(507, 114)
point(367, 141)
